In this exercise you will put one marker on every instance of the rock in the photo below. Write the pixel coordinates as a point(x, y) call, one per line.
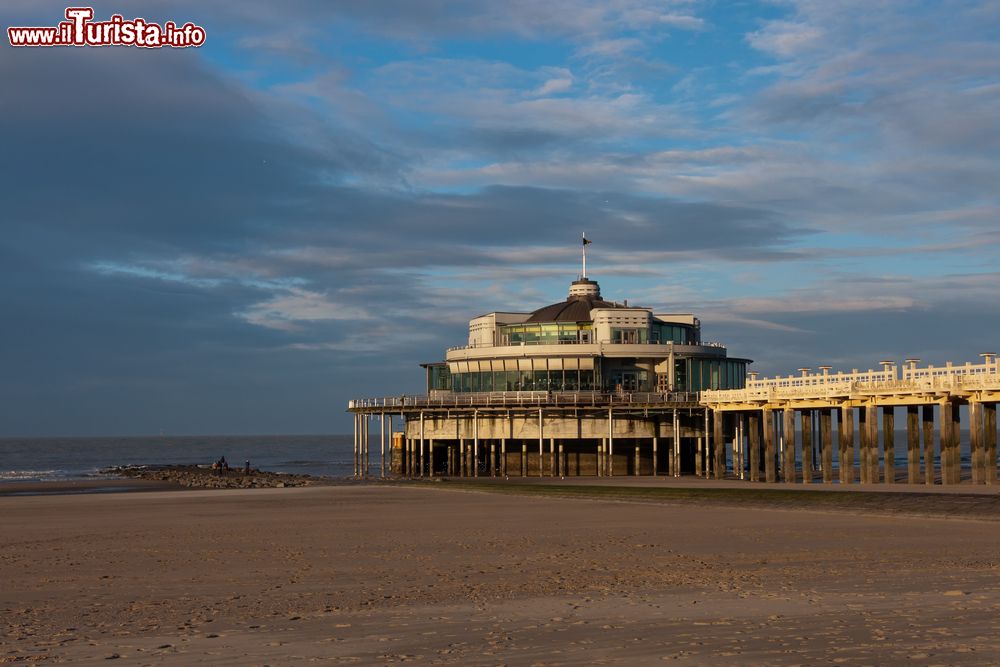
point(202, 477)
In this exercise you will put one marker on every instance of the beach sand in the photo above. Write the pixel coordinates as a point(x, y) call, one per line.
point(436, 574)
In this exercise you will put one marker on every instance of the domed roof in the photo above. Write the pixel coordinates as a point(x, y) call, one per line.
point(573, 309)
point(584, 295)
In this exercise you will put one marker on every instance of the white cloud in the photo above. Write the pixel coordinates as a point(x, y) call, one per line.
point(784, 38)
point(289, 310)
point(553, 86)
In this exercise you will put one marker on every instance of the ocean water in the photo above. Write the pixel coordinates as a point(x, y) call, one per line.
point(60, 459)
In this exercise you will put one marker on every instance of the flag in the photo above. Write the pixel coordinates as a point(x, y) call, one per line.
point(586, 241)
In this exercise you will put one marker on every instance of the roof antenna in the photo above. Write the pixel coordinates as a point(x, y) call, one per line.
point(586, 242)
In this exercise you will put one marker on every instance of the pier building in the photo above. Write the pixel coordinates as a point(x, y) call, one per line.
point(584, 386)
point(587, 386)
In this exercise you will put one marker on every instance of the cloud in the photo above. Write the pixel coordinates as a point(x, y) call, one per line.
point(554, 86)
point(784, 38)
point(236, 238)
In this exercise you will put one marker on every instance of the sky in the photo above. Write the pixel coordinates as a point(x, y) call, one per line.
point(239, 238)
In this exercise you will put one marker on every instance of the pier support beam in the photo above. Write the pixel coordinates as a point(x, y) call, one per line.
point(365, 432)
point(913, 444)
point(846, 431)
point(788, 465)
point(541, 443)
point(866, 420)
point(754, 420)
point(806, 428)
point(475, 443)
point(719, 444)
point(864, 448)
point(954, 435)
point(421, 453)
point(770, 473)
point(430, 457)
point(826, 443)
point(656, 442)
point(611, 444)
point(976, 441)
point(675, 461)
point(524, 459)
point(889, 443)
point(928, 432)
point(562, 461)
point(698, 459)
point(382, 419)
point(493, 458)
point(948, 429)
point(503, 456)
point(944, 440)
point(408, 457)
point(990, 442)
point(356, 416)
point(873, 462)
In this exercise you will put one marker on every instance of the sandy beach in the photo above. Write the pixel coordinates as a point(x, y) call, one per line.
point(436, 574)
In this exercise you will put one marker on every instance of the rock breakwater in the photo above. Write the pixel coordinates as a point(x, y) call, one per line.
point(204, 477)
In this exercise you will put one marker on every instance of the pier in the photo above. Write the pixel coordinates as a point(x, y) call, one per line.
point(813, 427)
point(774, 411)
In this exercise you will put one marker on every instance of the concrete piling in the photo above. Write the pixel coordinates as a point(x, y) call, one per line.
point(806, 428)
point(719, 445)
point(978, 459)
point(990, 443)
point(770, 474)
point(846, 431)
point(826, 443)
point(944, 441)
point(928, 440)
point(788, 465)
point(912, 444)
point(889, 443)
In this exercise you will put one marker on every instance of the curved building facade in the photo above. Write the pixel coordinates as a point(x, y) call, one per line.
point(586, 344)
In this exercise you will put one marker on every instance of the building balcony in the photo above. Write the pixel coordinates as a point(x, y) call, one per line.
point(524, 399)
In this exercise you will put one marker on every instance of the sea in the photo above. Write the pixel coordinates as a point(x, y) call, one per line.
point(68, 459)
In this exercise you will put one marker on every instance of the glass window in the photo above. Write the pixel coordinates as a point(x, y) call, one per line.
point(572, 380)
point(526, 381)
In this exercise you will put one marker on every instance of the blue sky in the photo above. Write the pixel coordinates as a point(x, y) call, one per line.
point(240, 238)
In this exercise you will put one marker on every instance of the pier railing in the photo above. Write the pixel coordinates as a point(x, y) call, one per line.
point(524, 400)
point(891, 380)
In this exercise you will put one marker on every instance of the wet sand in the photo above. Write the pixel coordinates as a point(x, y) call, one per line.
point(432, 574)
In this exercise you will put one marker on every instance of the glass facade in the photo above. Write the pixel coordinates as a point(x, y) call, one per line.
point(438, 377)
point(690, 374)
point(703, 374)
point(523, 381)
point(555, 333)
point(630, 336)
point(665, 333)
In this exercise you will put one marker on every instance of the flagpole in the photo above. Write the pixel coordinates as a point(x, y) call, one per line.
point(585, 255)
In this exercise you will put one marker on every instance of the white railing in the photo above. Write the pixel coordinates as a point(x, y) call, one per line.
point(662, 343)
point(523, 399)
point(948, 378)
